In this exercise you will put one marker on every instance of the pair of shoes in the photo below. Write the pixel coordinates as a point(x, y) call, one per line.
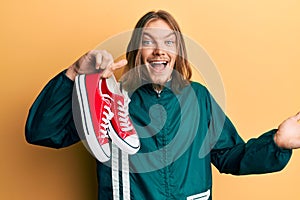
point(104, 115)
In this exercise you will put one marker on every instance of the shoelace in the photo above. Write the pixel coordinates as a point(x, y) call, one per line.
point(123, 117)
point(108, 115)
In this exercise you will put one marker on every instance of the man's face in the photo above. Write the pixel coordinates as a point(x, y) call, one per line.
point(159, 51)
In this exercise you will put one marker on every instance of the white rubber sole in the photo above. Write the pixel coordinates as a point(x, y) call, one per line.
point(123, 145)
point(101, 153)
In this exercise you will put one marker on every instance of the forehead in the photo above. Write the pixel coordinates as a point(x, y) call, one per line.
point(158, 28)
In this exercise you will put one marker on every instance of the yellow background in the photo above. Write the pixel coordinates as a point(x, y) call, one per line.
point(255, 45)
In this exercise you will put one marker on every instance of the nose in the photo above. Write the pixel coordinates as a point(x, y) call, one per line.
point(158, 50)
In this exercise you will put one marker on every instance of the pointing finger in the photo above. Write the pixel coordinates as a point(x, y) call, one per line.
point(118, 64)
point(110, 70)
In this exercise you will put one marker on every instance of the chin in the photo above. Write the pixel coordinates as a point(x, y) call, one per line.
point(160, 81)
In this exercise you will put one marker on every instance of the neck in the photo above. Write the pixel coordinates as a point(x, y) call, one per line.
point(157, 87)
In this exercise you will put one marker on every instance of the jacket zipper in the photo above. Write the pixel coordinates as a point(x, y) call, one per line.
point(158, 92)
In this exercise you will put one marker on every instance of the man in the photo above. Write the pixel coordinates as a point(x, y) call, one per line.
point(182, 129)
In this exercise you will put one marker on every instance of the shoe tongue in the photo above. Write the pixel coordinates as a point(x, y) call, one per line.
point(112, 85)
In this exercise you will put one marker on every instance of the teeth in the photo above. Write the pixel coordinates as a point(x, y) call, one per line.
point(159, 62)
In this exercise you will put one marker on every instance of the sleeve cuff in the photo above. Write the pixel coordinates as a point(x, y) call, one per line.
point(66, 81)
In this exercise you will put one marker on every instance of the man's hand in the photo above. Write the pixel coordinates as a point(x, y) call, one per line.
point(288, 134)
point(95, 61)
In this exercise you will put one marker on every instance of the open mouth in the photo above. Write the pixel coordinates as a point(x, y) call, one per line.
point(158, 65)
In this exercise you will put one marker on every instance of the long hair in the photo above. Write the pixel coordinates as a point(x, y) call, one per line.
point(133, 72)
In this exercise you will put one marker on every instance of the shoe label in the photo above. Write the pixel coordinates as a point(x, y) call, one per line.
point(200, 196)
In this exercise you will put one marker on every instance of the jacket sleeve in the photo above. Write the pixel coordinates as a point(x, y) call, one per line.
point(230, 154)
point(50, 122)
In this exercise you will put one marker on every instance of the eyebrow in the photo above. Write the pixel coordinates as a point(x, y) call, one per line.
point(148, 34)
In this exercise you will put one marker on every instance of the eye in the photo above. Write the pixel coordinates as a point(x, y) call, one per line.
point(147, 42)
point(170, 42)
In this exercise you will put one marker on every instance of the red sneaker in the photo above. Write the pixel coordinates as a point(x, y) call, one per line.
point(121, 130)
point(95, 114)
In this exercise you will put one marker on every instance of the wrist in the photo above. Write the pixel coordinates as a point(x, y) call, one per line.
point(280, 142)
point(275, 138)
point(71, 73)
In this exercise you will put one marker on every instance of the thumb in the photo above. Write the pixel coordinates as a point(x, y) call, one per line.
point(98, 57)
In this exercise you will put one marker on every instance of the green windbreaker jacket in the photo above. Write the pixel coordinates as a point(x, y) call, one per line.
point(181, 135)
